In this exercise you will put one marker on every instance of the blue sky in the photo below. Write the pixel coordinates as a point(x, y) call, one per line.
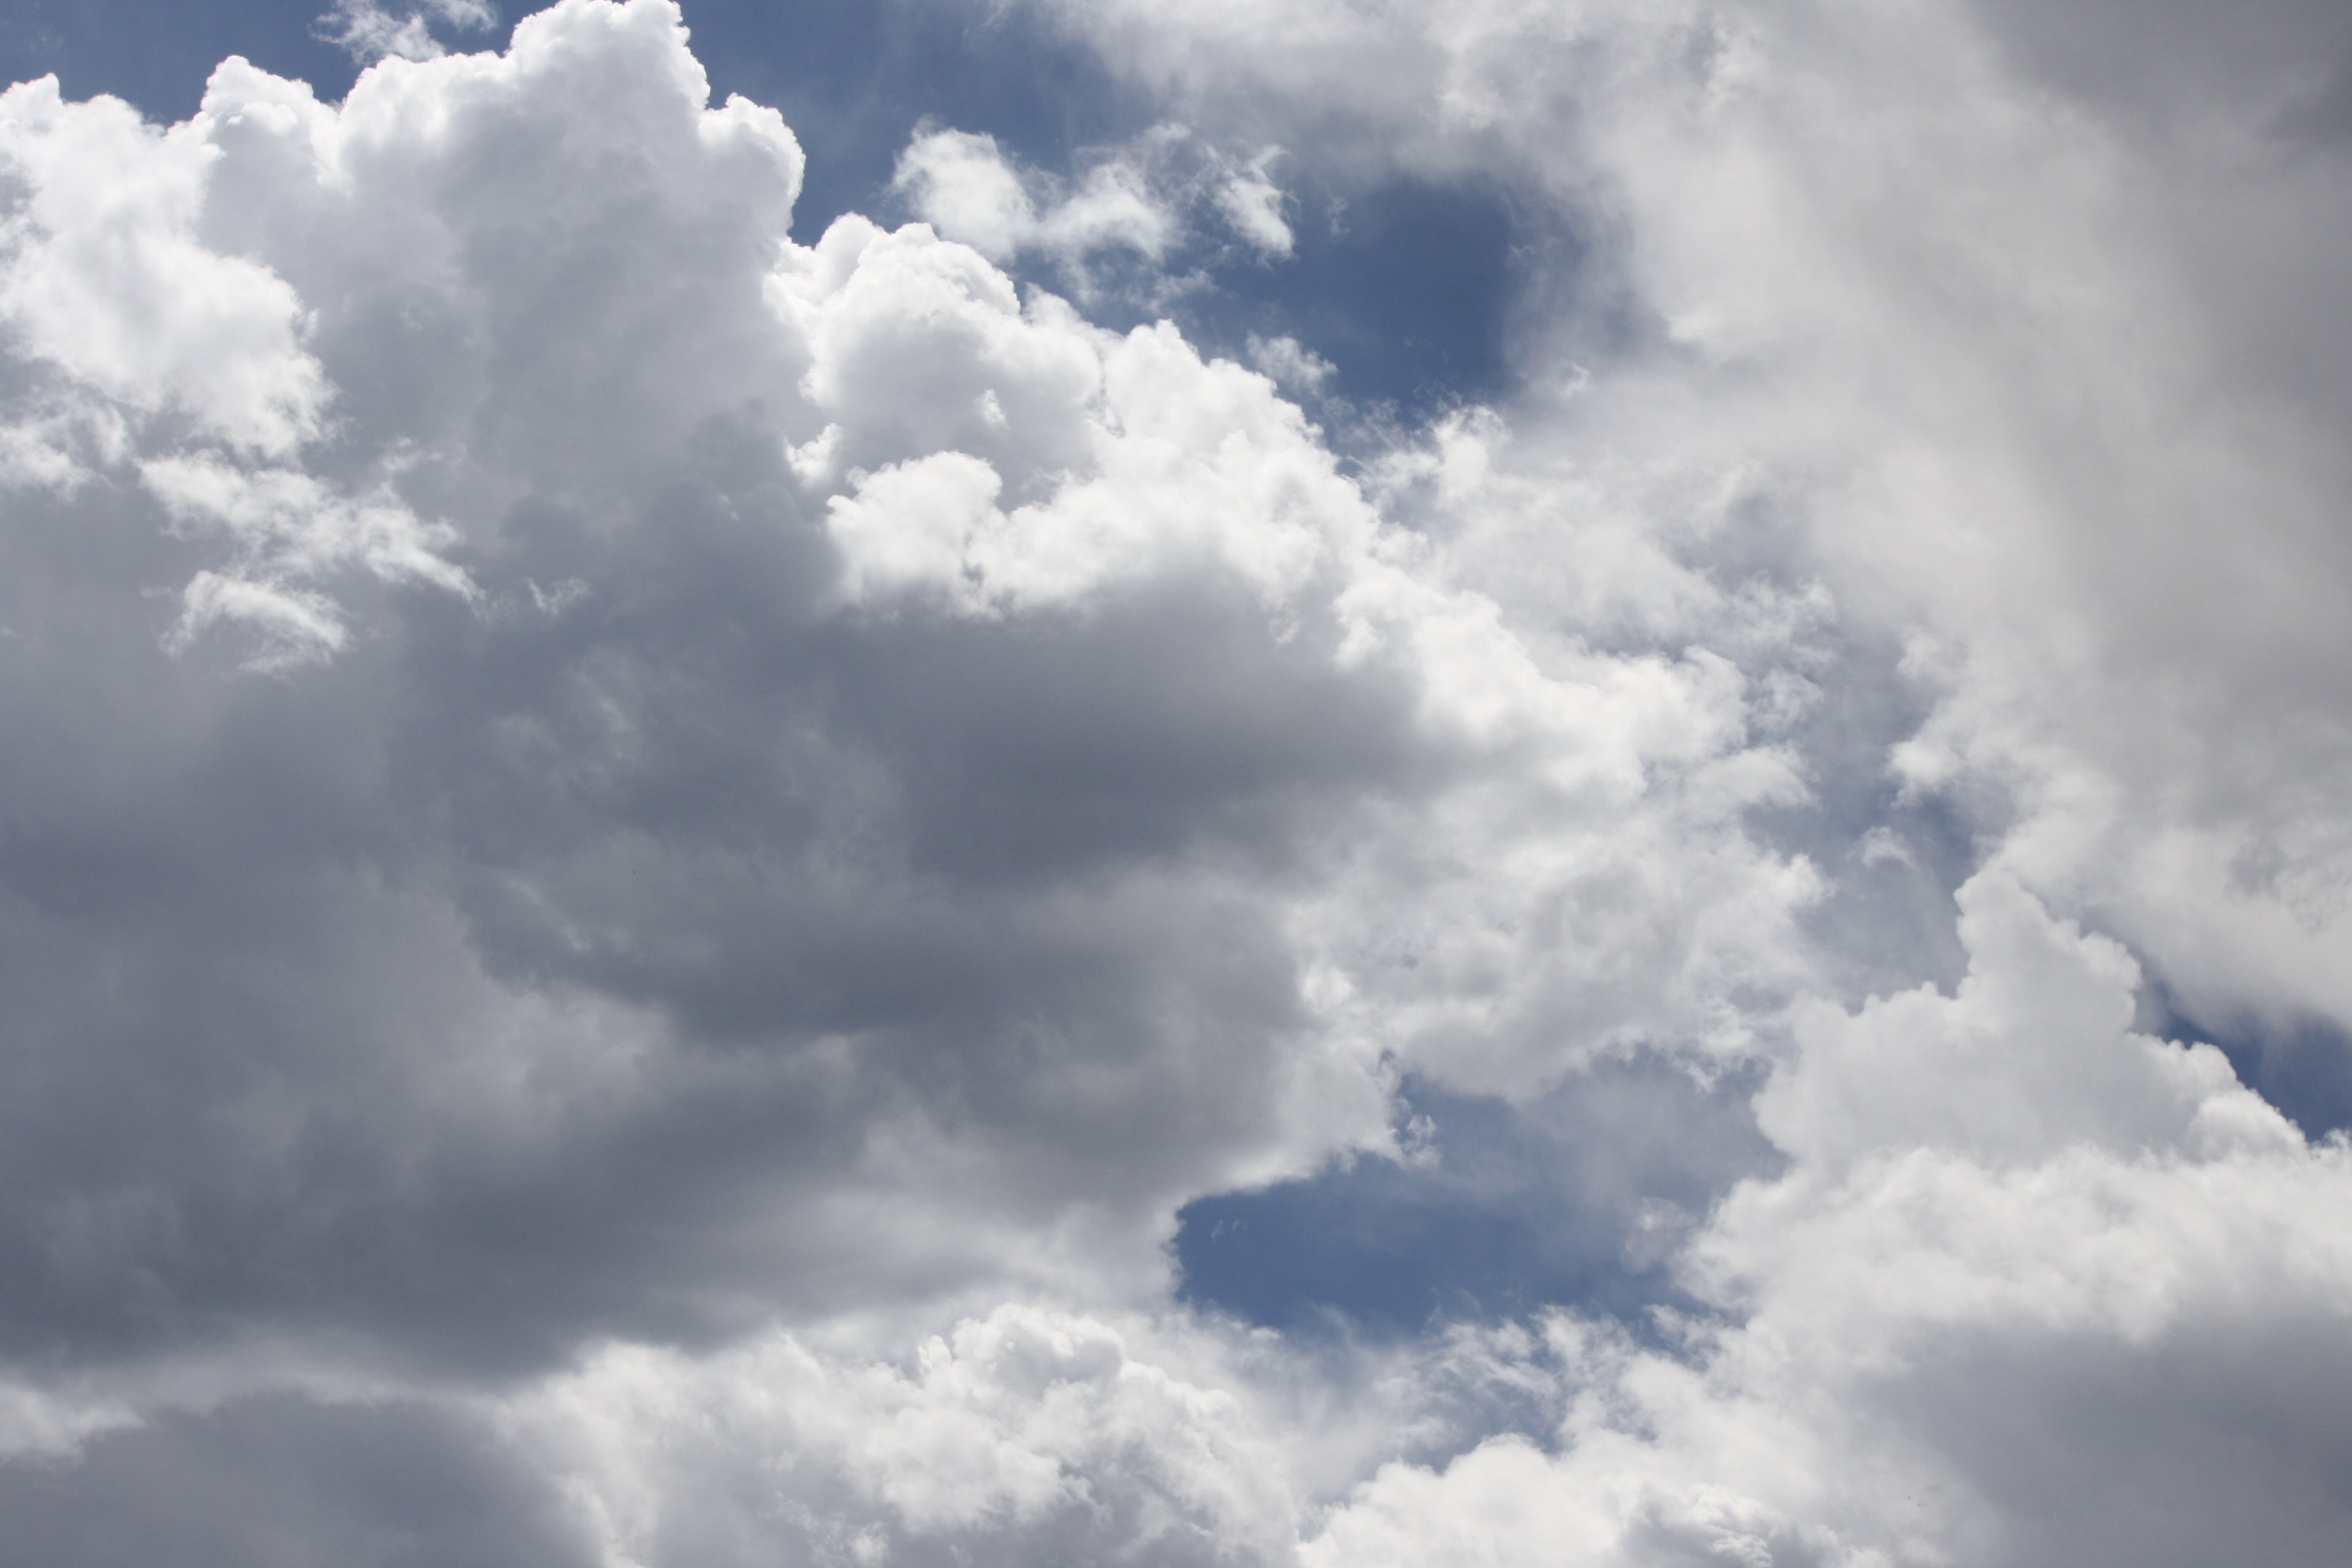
point(1179, 784)
point(1574, 1199)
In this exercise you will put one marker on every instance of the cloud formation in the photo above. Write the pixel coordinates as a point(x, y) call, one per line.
point(814, 687)
point(367, 32)
point(647, 856)
point(1143, 202)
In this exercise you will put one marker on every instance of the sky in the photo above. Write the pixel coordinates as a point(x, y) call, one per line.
point(1540, 781)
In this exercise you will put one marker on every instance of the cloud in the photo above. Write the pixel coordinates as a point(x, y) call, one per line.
point(657, 852)
point(111, 291)
point(368, 32)
point(1022, 1434)
point(618, 772)
point(1141, 197)
point(1987, 373)
point(1253, 203)
point(1289, 364)
point(1952, 1272)
point(1958, 316)
point(964, 186)
point(283, 1480)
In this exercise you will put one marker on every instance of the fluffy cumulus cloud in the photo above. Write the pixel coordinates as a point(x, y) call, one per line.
point(647, 855)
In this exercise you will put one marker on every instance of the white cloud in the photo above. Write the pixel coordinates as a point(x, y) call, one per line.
point(1252, 202)
point(109, 284)
point(368, 32)
point(1289, 364)
point(1142, 197)
point(964, 186)
point(1021, 1434)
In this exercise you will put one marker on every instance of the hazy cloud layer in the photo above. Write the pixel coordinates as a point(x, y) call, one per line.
point(645, 856)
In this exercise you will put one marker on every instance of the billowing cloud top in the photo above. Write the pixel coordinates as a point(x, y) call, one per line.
point(644, 859)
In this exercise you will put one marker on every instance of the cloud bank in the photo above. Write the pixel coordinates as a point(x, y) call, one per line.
point(646, 857)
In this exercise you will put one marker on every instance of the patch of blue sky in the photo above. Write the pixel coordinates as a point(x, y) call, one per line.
point(157, 53)
point(1575, 1200)
point(1405, 288)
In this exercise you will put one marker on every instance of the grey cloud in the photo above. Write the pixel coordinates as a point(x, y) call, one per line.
point(2257, 60)
point(616, 922)
point(282, 1482)
point(770, 833)
point(2208, 1442)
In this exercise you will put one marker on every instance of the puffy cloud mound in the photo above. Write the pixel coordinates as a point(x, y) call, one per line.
point(1024, 1436)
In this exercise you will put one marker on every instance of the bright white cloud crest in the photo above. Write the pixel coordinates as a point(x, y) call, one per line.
point(689, 839)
